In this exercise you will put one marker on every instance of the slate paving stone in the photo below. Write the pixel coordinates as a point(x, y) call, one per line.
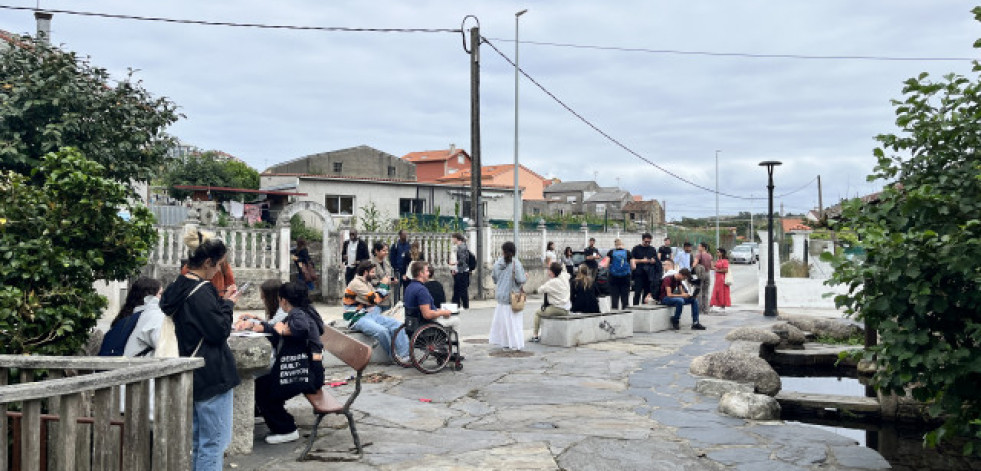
point(598, 454)
point(790, 435)
point(703, 437)
point(740, 456)
point(859, 457)
point(804, 453)
point(769, 466)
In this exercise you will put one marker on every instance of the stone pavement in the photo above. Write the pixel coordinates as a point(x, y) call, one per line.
point(620, 405)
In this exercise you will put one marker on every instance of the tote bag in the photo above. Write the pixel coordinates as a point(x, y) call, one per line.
point(167, 343)
point(728, 278)
point(517, 299)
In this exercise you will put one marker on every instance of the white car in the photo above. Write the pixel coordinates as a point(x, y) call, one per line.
point(742, 254)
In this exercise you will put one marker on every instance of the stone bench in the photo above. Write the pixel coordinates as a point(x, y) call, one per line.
point(651, 317)
point(580, 329)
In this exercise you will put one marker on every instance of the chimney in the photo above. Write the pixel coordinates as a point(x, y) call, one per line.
point(43, 19)
point(452, 149)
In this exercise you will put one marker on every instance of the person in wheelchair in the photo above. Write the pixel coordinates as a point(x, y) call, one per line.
point(362, 311)
point(420, 308)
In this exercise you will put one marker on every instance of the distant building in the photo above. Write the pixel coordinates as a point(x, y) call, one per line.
point(434, 164)
point(356, 162)
point(607, 202)
point(573, 194)
point(644, 213)
point(530, 183)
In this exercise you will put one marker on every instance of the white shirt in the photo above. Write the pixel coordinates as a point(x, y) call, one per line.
point(352, 252)
point(146, 333)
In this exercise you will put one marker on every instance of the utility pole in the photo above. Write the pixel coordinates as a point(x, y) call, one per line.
point(820, 201)
point(717, 198)
point(475, 181)
point(517, 198)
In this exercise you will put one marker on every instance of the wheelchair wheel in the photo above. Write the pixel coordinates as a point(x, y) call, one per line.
point(430, 350)
point(404, 362)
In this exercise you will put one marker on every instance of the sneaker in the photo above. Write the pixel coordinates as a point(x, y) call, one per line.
point(697, 327)
point(675, 324)
point(283, 438)
point(536, 339)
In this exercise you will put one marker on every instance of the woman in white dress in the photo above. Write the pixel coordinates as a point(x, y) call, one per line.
point(507, 328)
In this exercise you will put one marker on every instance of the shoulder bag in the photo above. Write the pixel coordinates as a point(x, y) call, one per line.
point(728, 278)
point(167, 343)
point(517, 299)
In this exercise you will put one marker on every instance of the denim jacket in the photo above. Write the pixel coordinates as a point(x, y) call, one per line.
point(505, 275)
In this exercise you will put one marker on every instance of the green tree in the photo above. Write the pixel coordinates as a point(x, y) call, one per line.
point(920, 286)
point(209, 169)
point(62, 229)
point(50, 99)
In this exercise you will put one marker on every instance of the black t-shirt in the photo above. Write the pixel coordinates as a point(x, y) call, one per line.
point(665, 252)
point(588, 251)
point(640, 252)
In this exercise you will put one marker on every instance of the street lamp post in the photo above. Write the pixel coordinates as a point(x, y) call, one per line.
point(717, 198)
point(517, 197)
point(770, 292)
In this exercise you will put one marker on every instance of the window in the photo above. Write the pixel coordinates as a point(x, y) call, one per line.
point(536, 211)
point(391, 170)
point(459, 159)
point(466, 208)
point(600, 208)
point(338, 166)
point(339, 204)
point(411, 205)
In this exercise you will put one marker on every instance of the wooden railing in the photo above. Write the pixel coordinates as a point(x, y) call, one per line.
point(74, 418)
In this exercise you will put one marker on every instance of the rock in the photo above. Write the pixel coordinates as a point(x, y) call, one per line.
point(749, 406)
point(753, 334)
point(788, 333)
point(718, 387)
point(747, 346)
point(822, 327)
point(738, 367)
point(801, 322)
point(867, 367)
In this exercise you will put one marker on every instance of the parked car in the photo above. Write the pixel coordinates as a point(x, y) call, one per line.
point(753, 245)
point(742, 254)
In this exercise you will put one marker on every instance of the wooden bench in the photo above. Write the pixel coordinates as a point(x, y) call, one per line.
point(378, 355)
point(652, 317)
point(579, 329)
point(353, 353)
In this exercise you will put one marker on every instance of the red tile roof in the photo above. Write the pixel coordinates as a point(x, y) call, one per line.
point(793, 224)
point(433, 155)
point(488, 171)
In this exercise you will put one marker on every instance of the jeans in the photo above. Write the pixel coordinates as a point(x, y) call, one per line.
point(461, 284)
point(381, 328)
point(211, 431)
point(679, 304)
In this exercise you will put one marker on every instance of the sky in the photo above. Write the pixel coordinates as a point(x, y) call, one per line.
point(272, 95)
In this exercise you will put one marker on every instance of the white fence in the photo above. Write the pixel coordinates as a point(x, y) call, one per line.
point(531, 244)
point(248, 248)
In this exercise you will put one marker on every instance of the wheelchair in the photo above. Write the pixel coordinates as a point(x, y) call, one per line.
point(432, 346)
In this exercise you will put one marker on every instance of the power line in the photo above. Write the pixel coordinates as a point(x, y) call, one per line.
point(742, 54)
point(604, 133)
point(239, 25)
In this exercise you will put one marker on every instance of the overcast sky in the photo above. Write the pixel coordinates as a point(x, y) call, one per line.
point(268, 96)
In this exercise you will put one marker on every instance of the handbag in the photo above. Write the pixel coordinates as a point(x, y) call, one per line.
point(517, 299)
point(728, 278)
point(309, 272)
point(295, 371)
point(167, 343)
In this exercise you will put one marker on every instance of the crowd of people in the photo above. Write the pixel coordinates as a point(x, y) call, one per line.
point(199, 306)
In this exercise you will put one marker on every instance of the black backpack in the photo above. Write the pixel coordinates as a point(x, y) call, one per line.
point(603, 281)
point(471, 260)
point(115, 340)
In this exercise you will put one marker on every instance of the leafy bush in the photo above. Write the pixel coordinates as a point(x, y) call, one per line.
point(794, 269)
point(298, 229)
point(919, 286)
point(60, 231)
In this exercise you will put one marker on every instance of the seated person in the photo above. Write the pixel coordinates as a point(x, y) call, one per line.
point(668, 271)
point(583, 292)
point(674, 293)
point(556, 291)
point(361, 310)
point(419, 306)
point(435, 288)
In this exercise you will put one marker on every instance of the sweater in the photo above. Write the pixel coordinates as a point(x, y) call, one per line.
point(557, 290)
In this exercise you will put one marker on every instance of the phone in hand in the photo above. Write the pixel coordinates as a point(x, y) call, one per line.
point(245, 287)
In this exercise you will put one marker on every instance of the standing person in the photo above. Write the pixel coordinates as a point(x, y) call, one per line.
point(362, 311)
point(202, 324)
point(648, 267)
point(583, 292)
point(550, 256)
point(223, 281)
point(703, 270)
point(566, 260)
point(683, 258)
point(720, 292)
point(353, 252)
point(593, 256)
point(666, 252)
point(301, 257)
point(143, 300)
point(556, 291)
point(673, 293)
point(507, 327)
point(399, 257)
point(384, 276)
point(295, 337)
point(619, 276)
point(461, 273)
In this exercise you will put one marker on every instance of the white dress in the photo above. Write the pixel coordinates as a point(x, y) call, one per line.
point(507, 327)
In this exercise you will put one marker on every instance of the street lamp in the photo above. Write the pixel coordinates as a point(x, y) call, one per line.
point(517, 198)
point(770, 292)
point(717, 198)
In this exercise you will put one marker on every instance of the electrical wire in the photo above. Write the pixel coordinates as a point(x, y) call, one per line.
point(740, 54)
point(240, 25)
